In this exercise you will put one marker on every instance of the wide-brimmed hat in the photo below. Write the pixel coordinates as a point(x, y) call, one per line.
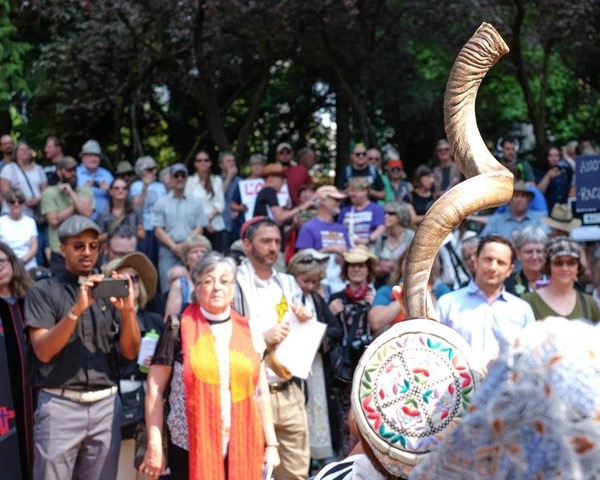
point(359, 254)
point(561, 218)
point(309, 255)
point(562, 247)
point(273, 169)
point(141, 264)
point(410, 387)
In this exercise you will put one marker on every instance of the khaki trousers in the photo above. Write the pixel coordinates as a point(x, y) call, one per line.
point(291, 427)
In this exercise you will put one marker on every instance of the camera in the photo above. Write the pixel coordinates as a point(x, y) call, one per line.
point(96, 184)
point(362, 342)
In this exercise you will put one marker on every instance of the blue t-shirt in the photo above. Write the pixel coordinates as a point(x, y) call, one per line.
point(154, 192)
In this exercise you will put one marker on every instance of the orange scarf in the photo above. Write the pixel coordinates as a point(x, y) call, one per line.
point(201, 378)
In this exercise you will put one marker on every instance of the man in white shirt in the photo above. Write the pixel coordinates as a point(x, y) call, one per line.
point(268, 298)
point(483, 312)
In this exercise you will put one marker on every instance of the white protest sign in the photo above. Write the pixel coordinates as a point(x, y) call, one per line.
point(249, 189)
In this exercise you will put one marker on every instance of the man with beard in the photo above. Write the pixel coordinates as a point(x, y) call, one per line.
point(268, 298)
point(7, 146)
point(483, 312)
point(61, 201)
point(74, 338)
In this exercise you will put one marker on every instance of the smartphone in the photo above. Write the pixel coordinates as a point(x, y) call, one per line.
point(267, 472)
point(111, 287)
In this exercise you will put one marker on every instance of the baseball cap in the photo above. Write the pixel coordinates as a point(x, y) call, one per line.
point(329, 191)
point(562, 247)
point(282, 146)
point(178, 167)
point(66, 163)
point(395, 163)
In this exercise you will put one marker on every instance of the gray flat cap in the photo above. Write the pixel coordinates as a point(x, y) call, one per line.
point(75, 225)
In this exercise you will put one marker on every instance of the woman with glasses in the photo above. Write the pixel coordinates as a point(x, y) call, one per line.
point(16, 398)
point(395, 240)
point(560, 297)
point(144, 193)
point(350, 335)
point(19, 231)
point(120, 209)
point(25, 175)
point(220, 421)
point(132, 375)
point(529, 245)
point(208, 190)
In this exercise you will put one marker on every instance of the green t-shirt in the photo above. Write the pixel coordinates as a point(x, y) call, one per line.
point(55, 201)
point(542, 310)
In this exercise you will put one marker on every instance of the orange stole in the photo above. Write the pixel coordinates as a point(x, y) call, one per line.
point(201, 379)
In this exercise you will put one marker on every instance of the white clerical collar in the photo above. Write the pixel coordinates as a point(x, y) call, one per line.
point(216, 317)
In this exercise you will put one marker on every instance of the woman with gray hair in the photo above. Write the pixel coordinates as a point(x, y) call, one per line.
point(529, 245)
point(144, 193)
point(220, 420)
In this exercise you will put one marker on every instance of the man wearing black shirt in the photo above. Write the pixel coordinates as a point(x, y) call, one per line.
point(74, 339)
point(359, 167)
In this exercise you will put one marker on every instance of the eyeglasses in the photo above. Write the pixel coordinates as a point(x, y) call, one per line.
point(395, 170)
point(70, 169)
point(444, 149)
point(360, 154)
point(309, 260)
point(126, 174)
point(179, 175)
point(16, 202)
point(572, 262)
point(119, 187)
point(81, 246)
point(150, 169)
point(202, 159)
point(374, 159)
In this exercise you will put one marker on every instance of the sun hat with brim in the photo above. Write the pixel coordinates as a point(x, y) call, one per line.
point(411, 386)
point(562, 247)
point(561, 218)
point(91, 147)
point(141, 264)
point(329, 191)
point(359, 254)
point(273, 169)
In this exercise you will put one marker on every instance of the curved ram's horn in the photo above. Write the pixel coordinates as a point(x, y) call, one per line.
point(488, 183)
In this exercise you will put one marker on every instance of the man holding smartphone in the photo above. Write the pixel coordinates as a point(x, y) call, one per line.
point(74, 339)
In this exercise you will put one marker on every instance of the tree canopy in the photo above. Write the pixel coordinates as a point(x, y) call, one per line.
point(167, 78)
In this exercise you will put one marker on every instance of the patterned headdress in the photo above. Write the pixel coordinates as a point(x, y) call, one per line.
point(537, 414)
point(411, 384)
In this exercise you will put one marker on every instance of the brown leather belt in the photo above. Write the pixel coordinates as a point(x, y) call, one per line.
point(279, 386)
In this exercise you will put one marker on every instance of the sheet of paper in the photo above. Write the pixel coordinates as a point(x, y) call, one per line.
point(299, 348)
point(249, 189)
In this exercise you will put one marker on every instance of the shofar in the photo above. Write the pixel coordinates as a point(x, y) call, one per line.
point(488, 183)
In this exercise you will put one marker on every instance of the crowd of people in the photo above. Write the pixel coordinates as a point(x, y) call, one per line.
point(259, 307)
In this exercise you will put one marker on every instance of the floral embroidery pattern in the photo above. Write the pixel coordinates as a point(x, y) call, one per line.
point(412, 388)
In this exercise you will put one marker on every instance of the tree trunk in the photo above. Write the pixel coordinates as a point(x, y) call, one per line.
point(342, 119)
point(5, 122)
